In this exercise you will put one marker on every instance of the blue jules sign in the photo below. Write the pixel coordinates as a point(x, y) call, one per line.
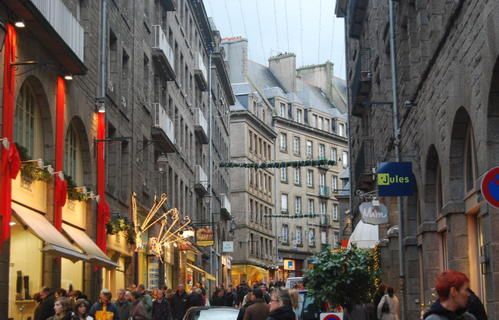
point(395, 179)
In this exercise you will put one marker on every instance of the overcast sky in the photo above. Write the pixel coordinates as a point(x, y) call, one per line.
point(307, 28)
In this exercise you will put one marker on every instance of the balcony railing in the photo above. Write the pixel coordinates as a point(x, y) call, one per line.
point(225, 208)
point(163, 129)
point(355, 17)
point(163, 52)
point(201, 185)
point(201, 73)
point(361, 81)
point(200, 125)
point(324, 192)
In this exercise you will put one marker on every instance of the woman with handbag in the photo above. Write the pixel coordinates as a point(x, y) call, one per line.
point(388, 307)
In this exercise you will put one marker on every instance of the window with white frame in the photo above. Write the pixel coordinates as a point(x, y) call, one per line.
point(26, 121)
point(310, 178)
point(284, 174)
point(296, 145)
point(322, 151)
point(284, 203)
point(335, 183)
point(283, 142)
point(322, 180)
point(299, 240)
point(311, 237)
point(311, 206)
point(334, 154)
point(72, 155)
point(299, 115)
point(335, 212)
point(322, 208)
point(344, 159)
point(323, 237)
point(310, 147)
point(336, 239)
point(298, 205)
point(297, 174)
point(283, 110)
point(285, 233)
point(341, 130)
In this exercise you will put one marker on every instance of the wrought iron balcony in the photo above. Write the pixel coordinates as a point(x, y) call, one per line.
point(360, 83)
point(200, 73)
point(200, 125)
point(201, 185)
point(162, 52)
point(163, 130)
point(324, 192)
point(225, 208)
point(355, 17)
point(324, 222)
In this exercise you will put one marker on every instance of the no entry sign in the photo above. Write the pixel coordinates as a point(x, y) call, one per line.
point(490, 187)
point(331, 316)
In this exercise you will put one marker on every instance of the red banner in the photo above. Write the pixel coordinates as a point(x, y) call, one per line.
point(59, 151)
point(103, 211)
point(9, 168)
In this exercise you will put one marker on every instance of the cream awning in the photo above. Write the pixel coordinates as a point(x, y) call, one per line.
point(208, 276)
point(85, 243)
point(364, 235)
point(54, 241)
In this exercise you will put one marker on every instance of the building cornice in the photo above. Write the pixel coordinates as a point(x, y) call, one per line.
point(242, 114)
point(301, 126)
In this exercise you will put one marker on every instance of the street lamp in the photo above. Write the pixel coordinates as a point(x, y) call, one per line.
point(162, 162)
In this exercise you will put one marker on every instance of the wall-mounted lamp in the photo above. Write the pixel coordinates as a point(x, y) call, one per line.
point(39, 163)
point(5, 143)
point(68, 77)
point(19, 24)
point(101, 109)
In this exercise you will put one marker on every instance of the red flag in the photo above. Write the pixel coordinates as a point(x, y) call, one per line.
point(103, 215)
point(14, 161)
point(61, 191)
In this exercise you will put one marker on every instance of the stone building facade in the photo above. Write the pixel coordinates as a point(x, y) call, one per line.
point(447, 83)
point(147, 65)
point(297, 104)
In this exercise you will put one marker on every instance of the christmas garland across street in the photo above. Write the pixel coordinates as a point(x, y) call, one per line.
point(281, 164)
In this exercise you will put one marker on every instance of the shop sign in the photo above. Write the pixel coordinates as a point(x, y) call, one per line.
point(373, 214)
point(228, 246)
point(395, 179)
point(490, 187)
point(289, 264)
point(152, 272)
point(204, 236)
point(331, 316)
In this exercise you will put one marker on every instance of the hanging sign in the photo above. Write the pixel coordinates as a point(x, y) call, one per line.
point(331, 316)
point(289, 264)
point(204, 236)
point(395, 179)
point(373, 214)
point(490, 187)
point(228, 246)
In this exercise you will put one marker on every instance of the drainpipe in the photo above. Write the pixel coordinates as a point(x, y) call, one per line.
point(210, 167)
point(396, 135)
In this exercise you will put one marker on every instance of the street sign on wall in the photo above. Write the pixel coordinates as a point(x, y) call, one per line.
point(395, 179)
point(331, 316)
point(490, 187)
point(373, 214)
point(228, 246)
point(289, 264)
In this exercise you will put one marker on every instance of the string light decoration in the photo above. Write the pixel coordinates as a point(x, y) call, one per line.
point(280, 164)
point(172, 226)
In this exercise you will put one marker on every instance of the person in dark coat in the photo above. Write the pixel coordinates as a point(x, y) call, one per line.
point(179, 306)
point(123, 305)
point(218, 298)
point(138, 310)
point(230, 297)
point(45, 308)
point(195, 299)
point(280, 306)
point(62, 309)
point(250, 299)
point(161, 308)
point(242, 291)
point(259, 310)
point(475, 306)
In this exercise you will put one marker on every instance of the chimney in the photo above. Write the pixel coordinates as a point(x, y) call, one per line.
point(320, 75)
point(236, 57)
point(283, 66)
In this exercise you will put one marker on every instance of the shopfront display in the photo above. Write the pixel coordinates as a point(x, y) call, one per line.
point(249, 273)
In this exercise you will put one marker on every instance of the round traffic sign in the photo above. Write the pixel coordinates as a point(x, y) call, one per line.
point(330, 316)
point(490, 187)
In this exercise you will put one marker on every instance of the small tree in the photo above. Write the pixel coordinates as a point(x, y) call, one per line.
point(344, 277)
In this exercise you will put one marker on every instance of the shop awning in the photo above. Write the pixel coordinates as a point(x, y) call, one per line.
point(208, 276)
point(55, 242)
point(364, 235)
point(85, 243)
